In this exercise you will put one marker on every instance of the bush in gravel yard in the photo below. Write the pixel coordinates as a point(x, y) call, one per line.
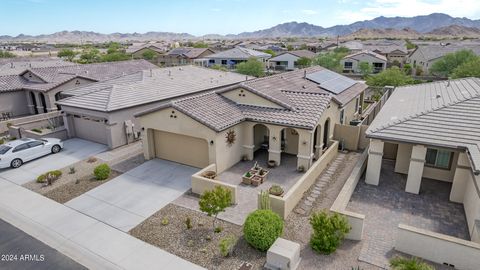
point(37, 130)
point(328, 231)
point(213, 202)
point(262, 228)
point(54, 175)
point(2, 141)
point(102, 171)
point(401, 263)
point(226, 245)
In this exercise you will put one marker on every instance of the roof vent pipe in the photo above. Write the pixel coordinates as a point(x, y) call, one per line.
point(305, 74)
point(169, 72)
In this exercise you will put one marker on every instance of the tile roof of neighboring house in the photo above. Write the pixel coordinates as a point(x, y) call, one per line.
point(386, 49)
point(13, 66)
point(301, 101)
point(442, 114)
point(158, 47)
point(238, 53)
point(373, 54)
point(146, 87)
point(431, 52)
point(55, 76)
point(299, 53)
point(188, 52)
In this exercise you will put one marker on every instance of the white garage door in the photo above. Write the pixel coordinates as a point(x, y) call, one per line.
point(90, 130)
point(182, 149)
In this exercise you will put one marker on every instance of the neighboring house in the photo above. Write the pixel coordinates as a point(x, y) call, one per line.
point(230, 58)
point(104, 112)
point(183, 56)
point(35, 90)
point(15, 66)
point(425, 56)
point(290, 113)
point(431, 130)
point(350, 63)
point(138, 51)
point(393, 52)
point(288, 60)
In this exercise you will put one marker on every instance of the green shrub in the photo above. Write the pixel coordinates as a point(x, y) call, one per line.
point(262, 228)
point(37, 130)
point(226, 245)
point(328, 231)
point(165, 221)
point(188, 223)
point(218, 229)
point(102, 171)
point(53, 174)
point(2, 141)
point(12, 138)
point(401, 263)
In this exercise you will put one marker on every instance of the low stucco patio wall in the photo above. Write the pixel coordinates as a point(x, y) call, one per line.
point(201, 184)
point(438, 247)
point(340, 205)
point(27, 119)
point(284, 205)
point(60, 133)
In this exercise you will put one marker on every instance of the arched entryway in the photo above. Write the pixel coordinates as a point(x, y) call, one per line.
point(34, 102)
point(326, 132)
point(261, 138)
point(316, 141)
point(57, 98)
point(44, 102)
point(289, 143)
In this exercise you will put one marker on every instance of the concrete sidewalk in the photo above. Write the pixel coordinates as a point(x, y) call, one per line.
point(88, 241)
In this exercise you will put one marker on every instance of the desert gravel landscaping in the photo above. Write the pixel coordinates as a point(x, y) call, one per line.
point(192, 244)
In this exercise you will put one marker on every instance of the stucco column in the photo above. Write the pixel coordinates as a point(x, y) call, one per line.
point(68, 124)
point(415, 170)
point(463, 173)
point(374, 166)
point(319, 143)
point(305, 153)
point(148, 144)
point(275, 144)
point(249, 144)
point(30, 105)
point(39, 102)
point(50, 102)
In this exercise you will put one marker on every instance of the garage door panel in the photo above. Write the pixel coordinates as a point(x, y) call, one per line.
point(90, 130)
point(183, 149)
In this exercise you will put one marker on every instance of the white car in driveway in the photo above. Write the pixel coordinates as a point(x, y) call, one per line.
point(15, 153)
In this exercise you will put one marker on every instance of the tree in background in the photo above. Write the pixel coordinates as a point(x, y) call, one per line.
point(407, 68)
point(468, 69)
point(90, 55)
point(446, 65)
point(391, 76)
point(271, 52)
point(219, 67)
point(252, 67)
point(342, 50)
point(149, 55)
point(67, 54)
point(5, 54)
point(289, 48)
point(304, 62)
point(200, 44)
point(409, 44)
point(113, 47)
point(365, 68)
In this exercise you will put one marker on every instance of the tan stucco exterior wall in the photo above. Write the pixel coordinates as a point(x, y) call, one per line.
point(242, 96)
point(402, 164)
point(14, 102)
point(349, 111)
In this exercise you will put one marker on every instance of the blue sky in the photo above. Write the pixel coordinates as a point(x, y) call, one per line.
point(200, 17)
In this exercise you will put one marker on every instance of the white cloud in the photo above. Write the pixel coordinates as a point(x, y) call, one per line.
point(309, 12)
point(409, 8)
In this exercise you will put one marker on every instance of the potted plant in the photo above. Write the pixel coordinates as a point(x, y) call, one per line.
point(276, 190)
point(301, 168)
point(209, 174)
point(247, 178)
point(263, 174)
point(256, 168)
point(271, 163)
point(256, 180)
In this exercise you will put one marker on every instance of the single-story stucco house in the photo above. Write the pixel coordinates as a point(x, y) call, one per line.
point(35, 90)
point(230, 58)
point(291, 113)
point(432, 130)
point(351, 63)
point(104, 112)
point(288, 60)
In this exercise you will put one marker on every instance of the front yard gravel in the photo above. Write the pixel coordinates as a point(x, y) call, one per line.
point(192, 244)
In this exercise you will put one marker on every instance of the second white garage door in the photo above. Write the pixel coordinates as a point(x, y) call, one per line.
point(183, 149)
point(90, 130)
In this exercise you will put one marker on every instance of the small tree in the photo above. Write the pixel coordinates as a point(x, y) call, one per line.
point(446, 65)
point(213, 202)
point(5, 54)
point(365, 68)
point(468, 69)
point(303, 62)
point(391, 76)
point(149, 55)
point(401, 263)
point(252, 67)
point(271, 52)
point(67, 54)
point(407, 68)
point(328, 231)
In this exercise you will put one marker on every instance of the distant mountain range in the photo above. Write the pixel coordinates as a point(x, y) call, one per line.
point(433, 24)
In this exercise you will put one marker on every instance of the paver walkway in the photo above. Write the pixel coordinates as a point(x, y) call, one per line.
point(304, 207)
point(88, 241)
point(127, 200)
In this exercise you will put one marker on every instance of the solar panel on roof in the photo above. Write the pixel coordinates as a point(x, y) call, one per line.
point(331, 81)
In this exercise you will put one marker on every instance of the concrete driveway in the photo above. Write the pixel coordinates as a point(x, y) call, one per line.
point(74, 150)
point(127, 200)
